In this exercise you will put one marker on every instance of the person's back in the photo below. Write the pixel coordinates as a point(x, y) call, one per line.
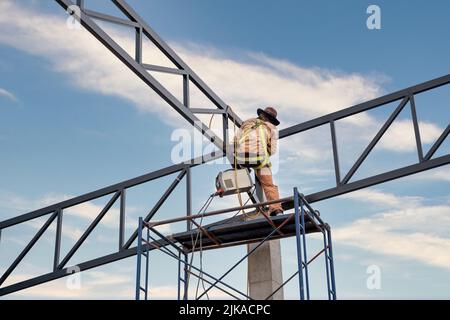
point(255, 142)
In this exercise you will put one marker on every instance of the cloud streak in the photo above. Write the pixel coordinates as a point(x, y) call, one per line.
point(380, 198)
point(6, 94)
point(300, 92)
point(247, 81)
point(413, 231)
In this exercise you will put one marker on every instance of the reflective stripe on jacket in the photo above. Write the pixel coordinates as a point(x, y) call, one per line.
point(255, 142)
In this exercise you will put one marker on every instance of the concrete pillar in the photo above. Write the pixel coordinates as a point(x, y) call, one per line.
point(265, 271)
point(264, 266)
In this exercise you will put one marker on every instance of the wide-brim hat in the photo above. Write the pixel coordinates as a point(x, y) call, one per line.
point(271, 115)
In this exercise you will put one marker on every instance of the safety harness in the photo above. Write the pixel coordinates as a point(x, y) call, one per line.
point(255, 161)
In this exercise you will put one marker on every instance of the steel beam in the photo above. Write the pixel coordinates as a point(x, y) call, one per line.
point(58, 238)
point(207, 111)
point(142, 73)
point(111, 19)
point(158, 205)
point(59, 273)
point(89, 230)
point(337, 170)
point(152, 67)
point(110, 189)
point(122, 216)
point(164, 47)
point(28, 247)
point(438, 143)
point(377, 179)
point(365, 106)
point(416, 128)
point(375, 140)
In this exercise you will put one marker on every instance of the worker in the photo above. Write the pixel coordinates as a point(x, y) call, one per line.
point(254, 143)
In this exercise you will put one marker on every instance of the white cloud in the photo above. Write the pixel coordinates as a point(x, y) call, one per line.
point(380, 198)
point(93, 285)
point(69, 231)
point(5, 93)
point(418, 233)
point(439, 174)
point(261, 80)
point(87, 211)
point(252, 80)
point(400, 136)
point(99, 285)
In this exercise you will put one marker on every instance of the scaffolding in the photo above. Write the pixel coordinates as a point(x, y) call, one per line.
point(346, 182)
point(233, 232)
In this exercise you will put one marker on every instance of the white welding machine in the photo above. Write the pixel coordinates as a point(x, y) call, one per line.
point(231, 182)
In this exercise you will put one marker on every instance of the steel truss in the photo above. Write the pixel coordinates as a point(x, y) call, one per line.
point(426, 160)
point(306, 220)
point(88, 17)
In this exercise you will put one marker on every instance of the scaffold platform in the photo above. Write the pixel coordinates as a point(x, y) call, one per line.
point(238, 231)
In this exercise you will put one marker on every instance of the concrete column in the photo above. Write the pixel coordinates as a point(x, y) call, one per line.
point(264, 266)
point(265, 271)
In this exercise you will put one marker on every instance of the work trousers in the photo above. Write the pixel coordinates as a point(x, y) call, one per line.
point(270, 189)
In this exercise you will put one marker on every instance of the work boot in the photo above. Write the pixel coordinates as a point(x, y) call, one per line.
point(252, 215)
point(276, 212)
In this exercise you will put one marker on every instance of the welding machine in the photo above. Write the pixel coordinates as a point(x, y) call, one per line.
point(233, 181)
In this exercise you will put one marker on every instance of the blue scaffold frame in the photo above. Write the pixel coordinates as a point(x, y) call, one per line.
point(303, 214)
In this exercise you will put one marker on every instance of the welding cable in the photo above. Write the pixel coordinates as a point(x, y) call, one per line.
point(194, 243)
point(200, 235)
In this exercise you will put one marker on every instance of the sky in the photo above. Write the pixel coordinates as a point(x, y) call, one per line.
point(74, 119)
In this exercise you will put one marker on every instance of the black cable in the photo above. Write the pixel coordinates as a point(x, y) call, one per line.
point(194, 243)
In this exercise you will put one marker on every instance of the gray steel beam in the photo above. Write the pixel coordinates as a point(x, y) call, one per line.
point(122, 216)
point(365, 106)
point(164, 47)
point(377, 179)
point(373, 180)
point(375, 140)
point(111, 19)
point(207, 111)
point(58, 239)
point(89, 230)
point(67, 271)
point(438, 143)
point(337, 170)
point(158, 205)
point(28, 247)
point(416, 128)
point(110, 189)
point(186, 92)
point(152, 67)
point(142, 73)
point(138, 45)
point(311, 198)
point(426, 165)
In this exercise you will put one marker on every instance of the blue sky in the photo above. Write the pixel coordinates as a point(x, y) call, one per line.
point(73, 119)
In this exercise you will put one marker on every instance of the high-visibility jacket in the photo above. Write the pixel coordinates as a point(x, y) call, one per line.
point(255, 142)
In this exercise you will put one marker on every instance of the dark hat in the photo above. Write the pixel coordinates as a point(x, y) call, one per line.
point(270, 114)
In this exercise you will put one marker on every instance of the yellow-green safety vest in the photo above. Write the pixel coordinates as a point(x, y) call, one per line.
point(264, 158)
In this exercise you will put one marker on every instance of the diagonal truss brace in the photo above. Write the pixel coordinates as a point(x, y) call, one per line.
point(135, 64)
